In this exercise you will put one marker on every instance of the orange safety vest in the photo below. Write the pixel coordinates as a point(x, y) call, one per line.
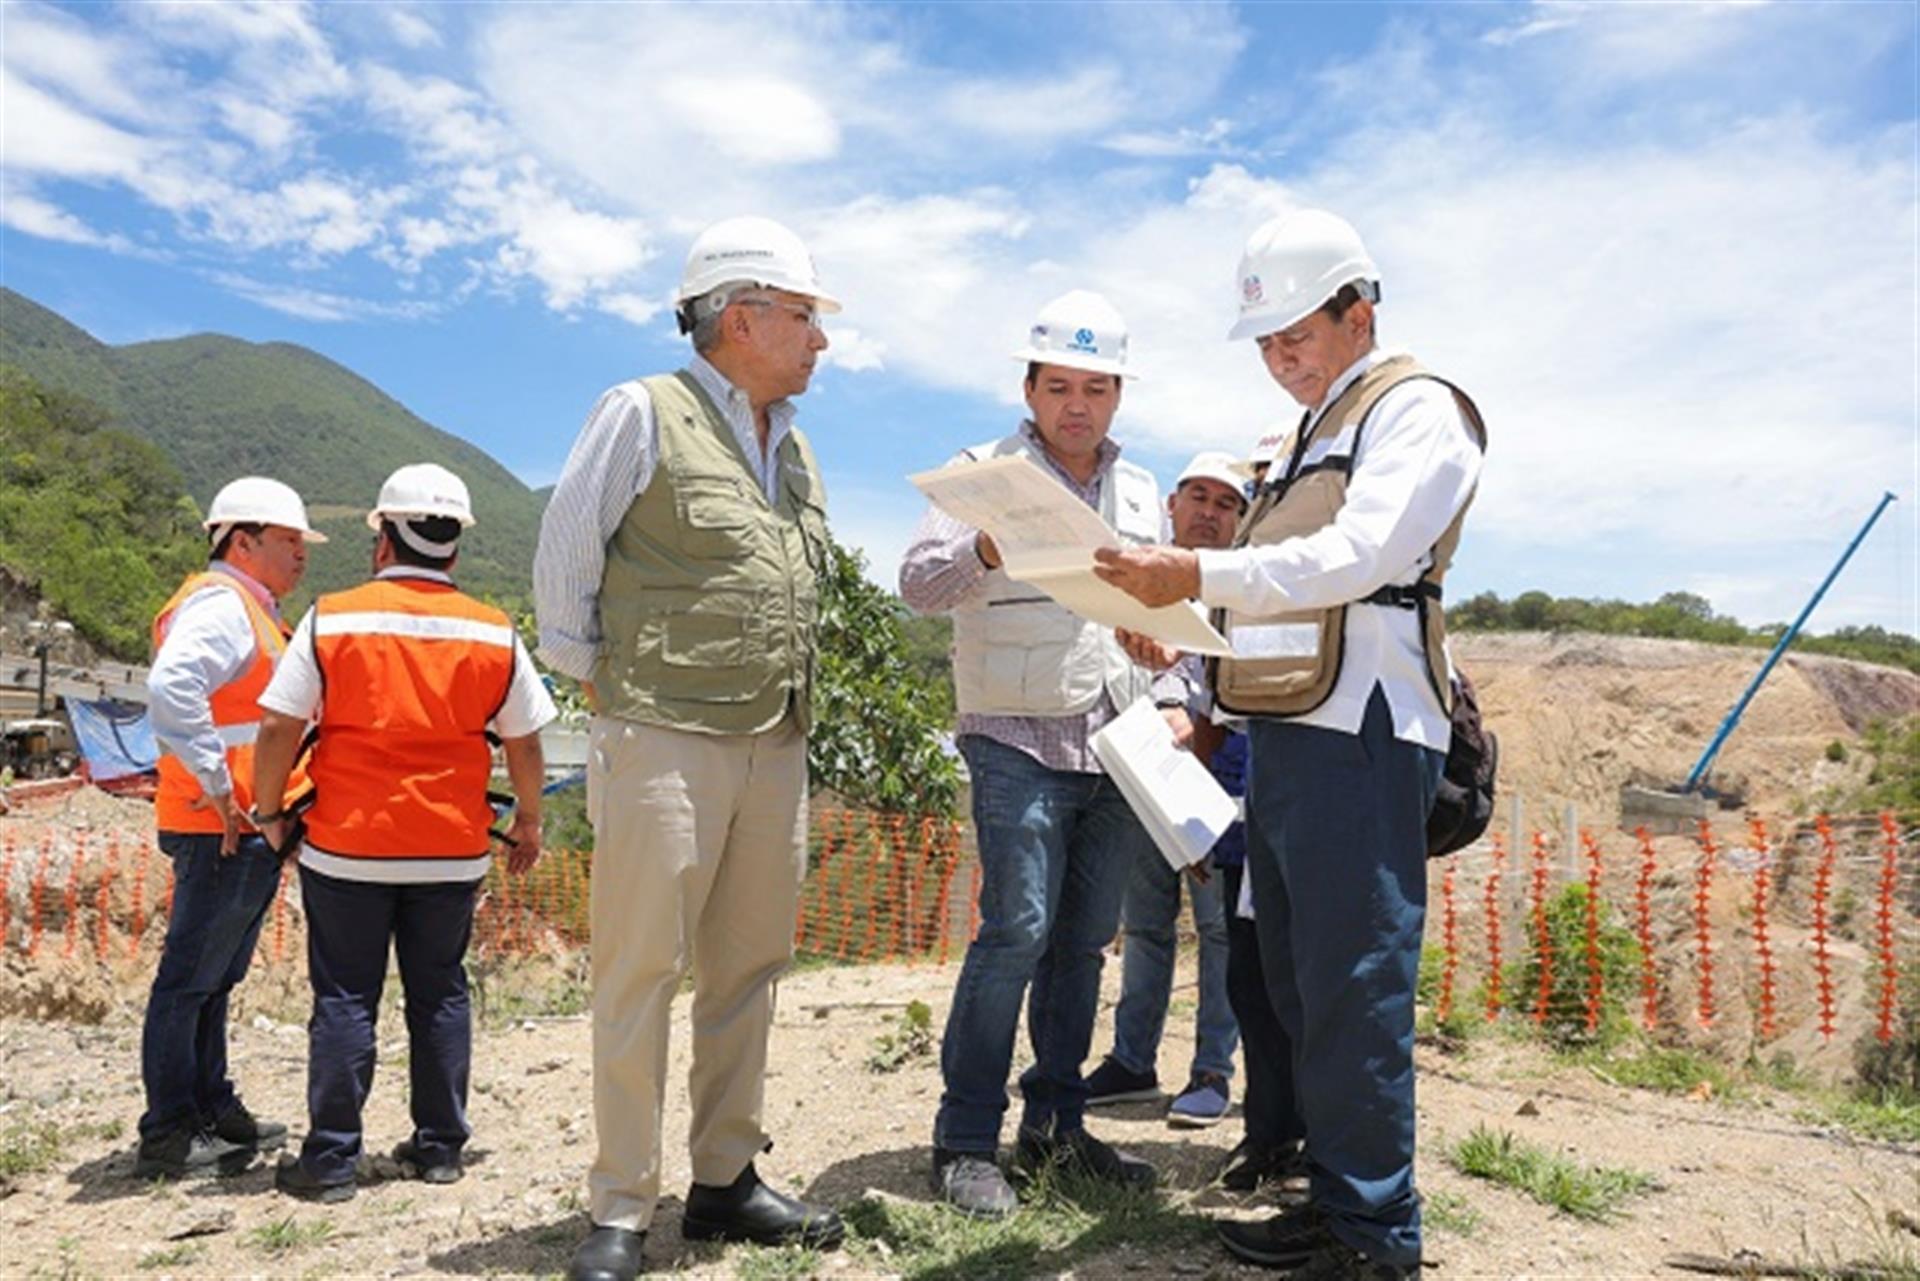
point(236, 716)
point(412, 671)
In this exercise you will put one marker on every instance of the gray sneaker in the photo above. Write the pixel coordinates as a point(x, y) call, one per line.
point(971, 1183)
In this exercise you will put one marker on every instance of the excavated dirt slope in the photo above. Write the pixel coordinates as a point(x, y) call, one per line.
point(1579, 715)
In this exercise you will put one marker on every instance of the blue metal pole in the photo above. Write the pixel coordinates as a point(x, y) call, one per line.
point(1733, 717)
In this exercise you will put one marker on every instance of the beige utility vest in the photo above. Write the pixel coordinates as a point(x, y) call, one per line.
point(709, 598)
point(1287, 664)
point(1016, 652)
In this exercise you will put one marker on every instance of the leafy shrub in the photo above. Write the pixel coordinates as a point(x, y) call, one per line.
point(1565, 1025)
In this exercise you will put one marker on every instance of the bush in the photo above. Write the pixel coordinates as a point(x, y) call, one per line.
point(1565, 1026)
point(879, 724)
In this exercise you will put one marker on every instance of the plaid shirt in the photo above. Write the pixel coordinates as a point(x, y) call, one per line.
point(942, 568)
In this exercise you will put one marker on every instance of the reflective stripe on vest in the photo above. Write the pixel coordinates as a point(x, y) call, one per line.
point(1287, 664)
point(235, 707)
point(1017, 652)
point(412, 670)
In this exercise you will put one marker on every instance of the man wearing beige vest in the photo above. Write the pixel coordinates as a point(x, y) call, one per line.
point(1033, 683)
point(1331, 595)
point(676, 577)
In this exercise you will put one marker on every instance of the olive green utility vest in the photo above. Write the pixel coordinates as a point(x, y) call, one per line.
point(709, 599)
point(1287, 664)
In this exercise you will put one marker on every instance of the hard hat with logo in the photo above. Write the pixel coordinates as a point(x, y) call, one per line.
point(753, 253)
point(1293, 264)
point(1080, 330)
point(257, 500)
point(1216, 465)
point(422, 489)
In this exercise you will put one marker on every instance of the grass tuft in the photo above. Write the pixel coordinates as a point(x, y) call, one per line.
point(285, 1236)
point(1063, 1221)
point(27, 1148)
point(174, 1256)
point(1584, 1191)
point(1449, 1212)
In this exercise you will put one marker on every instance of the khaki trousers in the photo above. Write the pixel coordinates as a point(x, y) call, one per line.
point(699, 851)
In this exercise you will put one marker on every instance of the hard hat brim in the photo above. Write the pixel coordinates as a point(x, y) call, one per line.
point(1072, 360)
point(374, 517)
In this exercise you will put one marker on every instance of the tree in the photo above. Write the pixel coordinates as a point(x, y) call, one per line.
point(879, 727)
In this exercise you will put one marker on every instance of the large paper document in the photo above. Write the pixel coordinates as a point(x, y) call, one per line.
point(1047, 537)
point(1182, 806)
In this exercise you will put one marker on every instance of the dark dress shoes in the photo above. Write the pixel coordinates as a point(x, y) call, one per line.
point(608, 1254)
point(749, 1210)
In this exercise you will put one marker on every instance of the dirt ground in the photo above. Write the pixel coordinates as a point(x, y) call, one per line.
point(1728, 1179)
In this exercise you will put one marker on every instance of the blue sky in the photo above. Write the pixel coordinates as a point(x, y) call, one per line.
point(1670, 248)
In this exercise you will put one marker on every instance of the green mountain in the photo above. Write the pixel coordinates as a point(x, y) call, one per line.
point(221, 407)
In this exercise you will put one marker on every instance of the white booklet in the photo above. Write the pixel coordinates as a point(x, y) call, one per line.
point(1182, 806)
point(1047, 537)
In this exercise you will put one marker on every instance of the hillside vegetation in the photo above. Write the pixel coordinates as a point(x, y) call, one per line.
point(219, 408)
point(1675, 616)
point(93, 519)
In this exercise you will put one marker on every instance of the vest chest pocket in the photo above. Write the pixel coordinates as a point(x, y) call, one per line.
point(715, 519)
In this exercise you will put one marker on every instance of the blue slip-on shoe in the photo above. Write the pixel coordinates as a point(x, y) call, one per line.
point(1201, 1104)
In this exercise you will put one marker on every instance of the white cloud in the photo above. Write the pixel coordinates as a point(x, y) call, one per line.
point(410, 28)
point(632, 308)
point(314, 304)
point(36, 217)
point(853, 351)
point(39, 134)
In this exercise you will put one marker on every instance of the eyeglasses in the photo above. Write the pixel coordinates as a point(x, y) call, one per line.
point(805, 311)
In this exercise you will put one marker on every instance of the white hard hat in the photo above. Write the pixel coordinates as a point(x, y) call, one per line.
point(258, 500)
point(422, 489)
point(1215, 465)
point(1080, 330)
point(1266, 448)
point(1293, 264)
point(753, 252)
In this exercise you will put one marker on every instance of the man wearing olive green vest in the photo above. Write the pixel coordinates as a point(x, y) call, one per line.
point(676, 578)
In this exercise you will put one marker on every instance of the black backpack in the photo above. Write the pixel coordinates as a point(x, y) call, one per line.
point(1463, 803)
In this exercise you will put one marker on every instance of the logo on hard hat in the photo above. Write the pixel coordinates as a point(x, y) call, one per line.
point(1250, 290)
point(1083, 341)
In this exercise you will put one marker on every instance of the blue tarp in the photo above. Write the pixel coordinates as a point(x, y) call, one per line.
point(114, 737)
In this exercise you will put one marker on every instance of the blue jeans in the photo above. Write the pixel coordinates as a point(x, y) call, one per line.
point(218, 905)
point(1336, 847)
point(1151, 912)
point(349, 927)
point(1056, 850)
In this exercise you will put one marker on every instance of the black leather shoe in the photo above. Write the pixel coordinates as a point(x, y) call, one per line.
point(749, 1210)
point(608, 1254)
point(237, 1125)
point(1338, 1261)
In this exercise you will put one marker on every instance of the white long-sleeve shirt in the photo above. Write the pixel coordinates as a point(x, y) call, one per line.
point(1417, 466)
point(611, 463)
point(209, 641)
